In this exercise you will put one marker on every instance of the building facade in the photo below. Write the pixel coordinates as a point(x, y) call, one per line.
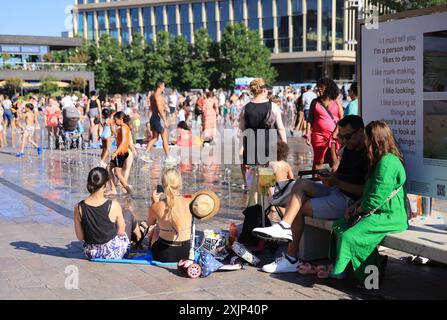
point(308, 38)
point(24, 57)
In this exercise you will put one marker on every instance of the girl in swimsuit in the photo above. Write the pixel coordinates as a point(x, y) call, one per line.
point(171, 220)
point(106, 136)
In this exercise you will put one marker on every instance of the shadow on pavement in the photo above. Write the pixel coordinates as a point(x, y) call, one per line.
point(72, 250)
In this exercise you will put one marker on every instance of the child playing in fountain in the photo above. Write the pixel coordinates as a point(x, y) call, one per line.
point(28, 132)
point(119, 157)
point(283, 171)
point(184, 135)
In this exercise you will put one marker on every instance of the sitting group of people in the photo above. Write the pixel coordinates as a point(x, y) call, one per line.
point(107, 230)
point(368, 182)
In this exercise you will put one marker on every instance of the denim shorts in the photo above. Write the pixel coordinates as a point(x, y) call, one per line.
point(330, 203)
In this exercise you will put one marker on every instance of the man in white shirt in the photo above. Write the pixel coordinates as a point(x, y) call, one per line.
point(308, 97)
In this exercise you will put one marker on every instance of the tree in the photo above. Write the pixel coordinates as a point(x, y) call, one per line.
point(134, 71)
point(181, 60)
point(12, 84)
point(5, 58)
point(158, 63)
point(243, 53)
point(78, 83)
point(200, 59)
point(48, 85)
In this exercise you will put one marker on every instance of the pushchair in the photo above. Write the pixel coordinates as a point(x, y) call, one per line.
point(70, 130)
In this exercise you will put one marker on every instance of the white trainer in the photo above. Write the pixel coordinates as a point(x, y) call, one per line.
point(281, 265)
point(276, 232)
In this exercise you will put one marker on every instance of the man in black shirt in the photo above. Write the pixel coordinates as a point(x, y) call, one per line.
point(328, 200)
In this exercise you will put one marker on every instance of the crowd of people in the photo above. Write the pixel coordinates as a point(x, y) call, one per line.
point(358, 167)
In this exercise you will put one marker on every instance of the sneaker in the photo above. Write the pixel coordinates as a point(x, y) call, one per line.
point(39, 150)
point(277, 232)
point(20, 154)
point(281, 265)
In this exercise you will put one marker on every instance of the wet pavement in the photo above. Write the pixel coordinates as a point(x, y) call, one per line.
point(37, 240)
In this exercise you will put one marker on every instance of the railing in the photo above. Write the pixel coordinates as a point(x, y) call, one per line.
point(43, 66)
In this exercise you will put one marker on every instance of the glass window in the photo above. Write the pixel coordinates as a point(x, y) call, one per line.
point(102, 22)
point(282, 23)
point(185, 22)
point(159, 19)
point(211, 24)
point(172, 14)
point(267, 25)
point(113, 30)
point(326, 32)
point(90, 26)
point(124, 26)
point(253, 19)
point(197, 13)
point(311, 25)
point(224, 10)
point(135, 17)
point(80, 23)
point(147, 22)
point(297, 24)
point(339, 25)
point(238, 11)
point(267, 8)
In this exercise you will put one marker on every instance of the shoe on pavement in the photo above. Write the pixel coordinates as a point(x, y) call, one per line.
point(281, 265)
point(20, 154)
point(276, 232)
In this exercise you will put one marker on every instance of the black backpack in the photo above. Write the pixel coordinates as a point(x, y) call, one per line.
point(253, 219)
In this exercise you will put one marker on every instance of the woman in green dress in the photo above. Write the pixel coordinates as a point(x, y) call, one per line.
point(358, 244)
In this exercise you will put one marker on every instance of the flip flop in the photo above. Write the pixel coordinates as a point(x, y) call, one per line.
point(144, 229)
point(307, 268)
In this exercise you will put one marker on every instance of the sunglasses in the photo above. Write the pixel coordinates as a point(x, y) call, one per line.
point(347, 136)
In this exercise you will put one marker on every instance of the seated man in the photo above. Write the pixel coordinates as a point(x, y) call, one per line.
point(321, 201)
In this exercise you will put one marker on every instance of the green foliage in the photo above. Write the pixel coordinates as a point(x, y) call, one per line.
point(78, 83)
point(13, 84)
point(158, 62)
point(48, 85)
point(206, 64)
point(244, 54)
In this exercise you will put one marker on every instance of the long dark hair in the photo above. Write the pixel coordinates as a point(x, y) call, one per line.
point(97, 178)
point(382, 141)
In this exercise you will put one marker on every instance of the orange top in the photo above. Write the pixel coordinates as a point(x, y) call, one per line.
point(123, 142)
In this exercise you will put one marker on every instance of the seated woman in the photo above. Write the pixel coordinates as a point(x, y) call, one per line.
point(184, 135)
point(101, 224)
point(382, 206)
point(173, 219)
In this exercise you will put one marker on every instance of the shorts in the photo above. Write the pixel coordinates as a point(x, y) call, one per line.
point(93, 113)
point(169, 251)
point(7, 116)
point(306, 114)
point(330, 203)
point(172, 110)
point(106, 133)
point(29, 131)
point(156, 124)
point(116, 248)
point(120, 160)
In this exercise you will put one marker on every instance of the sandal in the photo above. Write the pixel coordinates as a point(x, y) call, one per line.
point(324, 272)
point(144, 229)
point(307, 268)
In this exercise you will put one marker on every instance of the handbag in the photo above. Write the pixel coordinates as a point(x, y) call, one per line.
point(356, 219)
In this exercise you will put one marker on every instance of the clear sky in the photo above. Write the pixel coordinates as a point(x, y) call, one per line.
point(33, 17)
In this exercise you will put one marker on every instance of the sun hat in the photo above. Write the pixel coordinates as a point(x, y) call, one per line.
point(205, 205)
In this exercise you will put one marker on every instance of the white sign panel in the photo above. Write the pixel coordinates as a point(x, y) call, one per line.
point(404, 81)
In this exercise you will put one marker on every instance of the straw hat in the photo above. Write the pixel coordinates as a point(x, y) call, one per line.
point(205, 205)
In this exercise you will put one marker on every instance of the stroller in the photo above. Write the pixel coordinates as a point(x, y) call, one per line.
point(70, 131)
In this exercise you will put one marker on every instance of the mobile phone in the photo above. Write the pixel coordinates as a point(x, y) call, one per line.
point(160, 189)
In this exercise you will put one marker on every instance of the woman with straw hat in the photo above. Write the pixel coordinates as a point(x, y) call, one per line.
point(171, 217)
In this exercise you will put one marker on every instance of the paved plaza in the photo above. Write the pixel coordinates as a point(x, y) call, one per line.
point(37, 240)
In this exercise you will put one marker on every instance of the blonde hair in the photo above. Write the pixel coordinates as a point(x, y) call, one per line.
point(256, 86)
point(172, 181)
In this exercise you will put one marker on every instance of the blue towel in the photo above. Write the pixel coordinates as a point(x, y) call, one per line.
point(142, 260)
